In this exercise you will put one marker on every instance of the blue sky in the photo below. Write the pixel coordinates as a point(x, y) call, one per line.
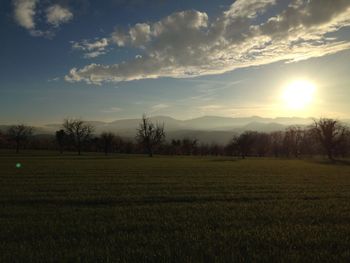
point(106, 60)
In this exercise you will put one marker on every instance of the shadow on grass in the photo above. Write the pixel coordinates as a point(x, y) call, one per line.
point(65, 156)
point(226, 160)
point(331, 162)
point(128, 202)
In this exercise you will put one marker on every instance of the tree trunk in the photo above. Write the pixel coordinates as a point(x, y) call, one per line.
point(17, 147)
point(330, 155)
point(79, 148)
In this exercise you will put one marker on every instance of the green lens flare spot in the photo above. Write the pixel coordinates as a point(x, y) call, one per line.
point(18, 165)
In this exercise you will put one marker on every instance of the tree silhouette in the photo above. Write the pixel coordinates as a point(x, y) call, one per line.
point(293, 138)
point(61, 138)
point(78, 131)
point(2, 140)
point(19, 134)
point(262, 143)
point(149, 135)
point(108, 139)
point(189, 146)
point(330, 133)
point(244, 143)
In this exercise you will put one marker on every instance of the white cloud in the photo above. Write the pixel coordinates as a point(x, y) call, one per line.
point(57, 15)
point(228, 110)
point(54, 79)
point(92, 49)
point(248, 8)
point(140, 34)
point(112, 110)
point(24, 12)
point(85, 45)
point(158, 107)
point(28, 12)
point(119, 37)
point(187, 44)
point(94, 54)
point(210, 107)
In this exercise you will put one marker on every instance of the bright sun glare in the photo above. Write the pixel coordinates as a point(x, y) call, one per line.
point(298, 94)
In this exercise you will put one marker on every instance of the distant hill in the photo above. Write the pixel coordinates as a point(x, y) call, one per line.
point(263, 127)
point(206, 129)
point(209, 123)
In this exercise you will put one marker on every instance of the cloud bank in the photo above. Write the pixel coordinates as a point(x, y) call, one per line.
point(188, 43)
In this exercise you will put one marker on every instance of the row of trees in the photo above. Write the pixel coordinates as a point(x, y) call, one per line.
point(76, 132)
point(78, 135)
point(17, 134)
point(325, 136)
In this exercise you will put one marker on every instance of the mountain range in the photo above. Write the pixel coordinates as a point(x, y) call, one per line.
point(207, 129)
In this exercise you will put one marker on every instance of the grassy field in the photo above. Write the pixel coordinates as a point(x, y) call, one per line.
point(180, 209)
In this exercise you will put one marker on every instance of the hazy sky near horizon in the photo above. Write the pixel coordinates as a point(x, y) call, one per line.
point(113, 59)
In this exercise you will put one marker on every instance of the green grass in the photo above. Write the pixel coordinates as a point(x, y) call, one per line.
point(172, 209)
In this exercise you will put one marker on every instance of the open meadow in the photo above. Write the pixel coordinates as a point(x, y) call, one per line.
point(172, 209)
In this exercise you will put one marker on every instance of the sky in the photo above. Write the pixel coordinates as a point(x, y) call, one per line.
point(116, 59)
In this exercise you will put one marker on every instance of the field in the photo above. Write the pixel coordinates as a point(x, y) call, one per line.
point(172, 209)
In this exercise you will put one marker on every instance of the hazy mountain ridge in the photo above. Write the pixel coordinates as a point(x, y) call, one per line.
point(209, 123)
point(205, 123)
point(207, 129)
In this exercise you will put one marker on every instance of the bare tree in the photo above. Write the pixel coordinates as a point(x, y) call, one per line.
point(262, 143)
point(277, 139)
point(108, 139)
point(309, 143)
point(3, 140)
point(244, 143)
point(78, 131)
point(175, 147)
point(61, 139)
point(150, 135)
point(343, 148)
point(189, 146)
point(293, 138)
point(19, 134)
point(330, 133)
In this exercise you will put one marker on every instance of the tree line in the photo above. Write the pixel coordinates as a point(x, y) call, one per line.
point(325, 136)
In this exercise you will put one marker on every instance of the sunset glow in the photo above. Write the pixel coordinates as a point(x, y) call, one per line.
point(117, 59)
point(298, 94)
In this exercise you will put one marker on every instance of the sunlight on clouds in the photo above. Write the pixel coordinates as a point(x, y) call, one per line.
point(93, 48)
point(188, 43)
point(112, 110)
point(28, 14)
point(24, 12)
point(57, 15)
point(158, 107)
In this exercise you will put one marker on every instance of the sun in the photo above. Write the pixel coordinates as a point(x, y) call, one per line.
point(298, 94)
